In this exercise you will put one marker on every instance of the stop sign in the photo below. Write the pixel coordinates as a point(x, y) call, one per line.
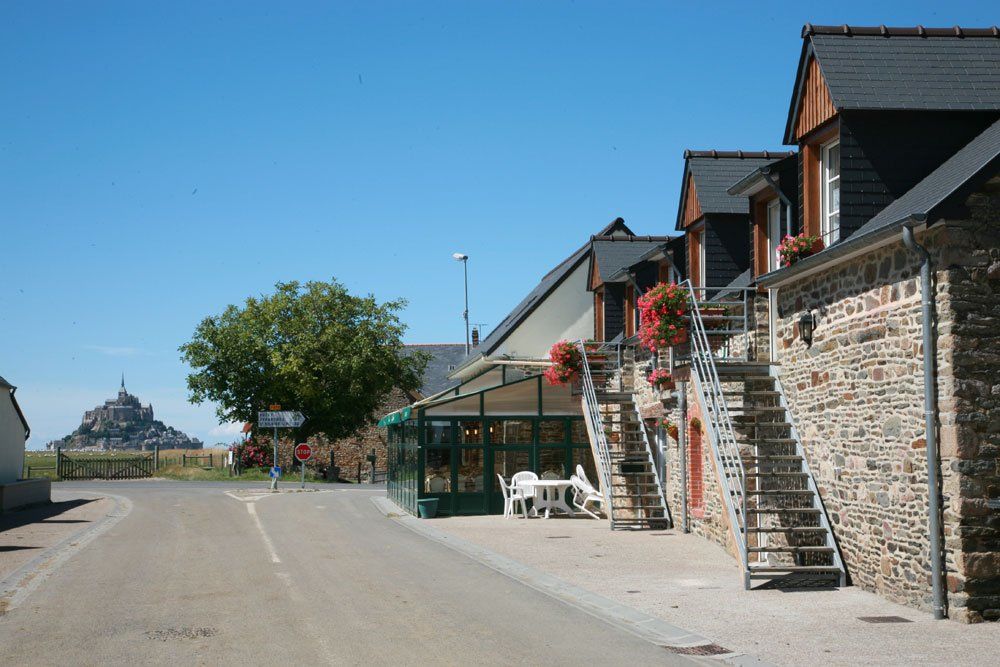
point(303, 452)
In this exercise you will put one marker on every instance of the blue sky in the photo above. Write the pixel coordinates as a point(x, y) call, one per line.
point(160, 161)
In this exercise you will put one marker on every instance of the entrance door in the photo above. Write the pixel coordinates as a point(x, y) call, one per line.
point(773, 239)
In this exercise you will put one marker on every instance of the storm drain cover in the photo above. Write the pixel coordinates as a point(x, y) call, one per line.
point(703, 649)
point(181, 633)
point(557, 537)
point(884, 619)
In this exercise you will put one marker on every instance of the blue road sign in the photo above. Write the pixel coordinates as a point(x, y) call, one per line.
point(275, 471)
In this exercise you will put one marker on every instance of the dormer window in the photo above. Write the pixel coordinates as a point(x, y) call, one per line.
point(829, 222)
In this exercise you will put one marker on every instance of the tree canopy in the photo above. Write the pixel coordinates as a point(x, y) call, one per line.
point(315, 348)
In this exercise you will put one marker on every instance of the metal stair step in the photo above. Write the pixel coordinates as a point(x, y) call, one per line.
point(787, 529)
point(778, 492)
point(783, 510)
point(818, 569)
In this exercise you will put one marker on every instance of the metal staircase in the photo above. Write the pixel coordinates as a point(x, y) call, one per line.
point(622, 452)
point(774, 508)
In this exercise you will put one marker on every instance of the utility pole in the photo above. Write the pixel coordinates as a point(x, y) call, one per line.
point(464, 259)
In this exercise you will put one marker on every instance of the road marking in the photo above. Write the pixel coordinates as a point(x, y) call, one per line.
point(252, 509)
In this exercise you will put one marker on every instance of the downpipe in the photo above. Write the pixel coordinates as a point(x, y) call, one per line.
point(930, 416)
point(682, 405)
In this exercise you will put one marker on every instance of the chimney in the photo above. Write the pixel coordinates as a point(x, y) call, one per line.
point(475, 336)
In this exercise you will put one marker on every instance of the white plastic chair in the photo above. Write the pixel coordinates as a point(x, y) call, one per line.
point(550, 474)
point(437, 484)
point(584, 493)
point(511, 497)
point(582, 474)
point(527, 490)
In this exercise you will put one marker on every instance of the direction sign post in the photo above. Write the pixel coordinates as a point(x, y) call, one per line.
point(303, 452)
point(278, 419)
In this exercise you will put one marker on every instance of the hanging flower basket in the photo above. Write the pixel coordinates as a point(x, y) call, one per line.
point(662, 313)
point(695, 424)
point(670, 427)
point(567, 362)
point(661, 379)
point(793, 248)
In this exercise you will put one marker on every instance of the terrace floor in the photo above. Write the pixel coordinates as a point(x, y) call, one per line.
point(692, 583)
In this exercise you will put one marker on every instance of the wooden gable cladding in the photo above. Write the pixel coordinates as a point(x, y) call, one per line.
point(815, 105)
point(692, 207)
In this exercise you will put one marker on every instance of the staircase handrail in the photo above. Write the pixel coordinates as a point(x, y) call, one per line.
point(656, 474)
point(592, 412)
point(725, 448)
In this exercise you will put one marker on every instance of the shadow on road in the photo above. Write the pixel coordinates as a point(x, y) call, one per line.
point(42, 514)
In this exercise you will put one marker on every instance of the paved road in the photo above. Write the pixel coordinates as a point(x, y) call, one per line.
point(194, 576)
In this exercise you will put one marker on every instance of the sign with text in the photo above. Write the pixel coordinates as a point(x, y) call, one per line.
point(303, 452)
point(280, 419)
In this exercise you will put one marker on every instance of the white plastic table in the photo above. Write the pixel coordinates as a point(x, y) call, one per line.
point(550, 494)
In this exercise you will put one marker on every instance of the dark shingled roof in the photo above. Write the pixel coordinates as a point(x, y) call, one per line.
point(934, 69)
point(941, 183)
point(444, 358)
point(921, 201)
point(614, 255)
point(715, 171)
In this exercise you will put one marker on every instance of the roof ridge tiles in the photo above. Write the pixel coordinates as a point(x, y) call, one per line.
point(715, 154)
point(886, 31)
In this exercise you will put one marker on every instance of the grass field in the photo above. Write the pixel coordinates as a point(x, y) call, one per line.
point(170, 465)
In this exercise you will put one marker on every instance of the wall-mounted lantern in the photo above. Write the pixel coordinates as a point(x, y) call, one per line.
point(807, 324)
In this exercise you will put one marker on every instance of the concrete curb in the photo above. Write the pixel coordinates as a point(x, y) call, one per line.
point(626, 618)
point(19, 584)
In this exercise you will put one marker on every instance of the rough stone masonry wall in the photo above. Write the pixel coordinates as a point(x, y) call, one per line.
point(857, 397)
point(709, 521)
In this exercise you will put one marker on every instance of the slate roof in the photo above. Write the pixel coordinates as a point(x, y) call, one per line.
point(941, 183)
point(940, 69)
point(920, 202)
point(444, 358)
point(614, 255)
point(715, 171)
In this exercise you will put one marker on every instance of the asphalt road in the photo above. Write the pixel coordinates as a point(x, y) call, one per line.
point(194, 576)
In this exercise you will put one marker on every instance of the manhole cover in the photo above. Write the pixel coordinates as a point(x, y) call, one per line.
point(884, 619)
point(181, 633)
point(704, 649)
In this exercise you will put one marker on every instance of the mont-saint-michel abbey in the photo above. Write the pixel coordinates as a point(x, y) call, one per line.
point(124, 422)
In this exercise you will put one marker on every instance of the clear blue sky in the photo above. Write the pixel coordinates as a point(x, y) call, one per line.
point(159, 161)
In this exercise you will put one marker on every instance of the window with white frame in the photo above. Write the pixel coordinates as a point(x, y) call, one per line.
point(773, 234)
point(829, 219)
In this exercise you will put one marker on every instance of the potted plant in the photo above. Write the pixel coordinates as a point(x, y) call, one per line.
point(662, 313)
point(661, 379)
point(670, 427)
point(793, 248)
point(612, 436)
point(695, 424)
point(567, 362)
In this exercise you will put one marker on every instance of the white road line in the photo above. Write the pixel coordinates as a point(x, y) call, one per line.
point(252, 509)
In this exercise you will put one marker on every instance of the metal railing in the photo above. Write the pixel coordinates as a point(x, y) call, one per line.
point(722, 436)
point(595, 424)
point(654, 467)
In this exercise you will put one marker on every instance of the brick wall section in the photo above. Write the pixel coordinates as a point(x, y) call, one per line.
point(857, 397)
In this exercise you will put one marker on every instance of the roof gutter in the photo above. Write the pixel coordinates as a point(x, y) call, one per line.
point(930, 410)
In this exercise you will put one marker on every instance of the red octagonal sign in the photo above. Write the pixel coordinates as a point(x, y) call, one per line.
point(303, 452)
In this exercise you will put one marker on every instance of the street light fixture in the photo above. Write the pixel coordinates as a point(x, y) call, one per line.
point(464, 259)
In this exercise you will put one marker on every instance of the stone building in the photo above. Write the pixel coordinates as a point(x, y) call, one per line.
point(124, 423)
point(898, 154)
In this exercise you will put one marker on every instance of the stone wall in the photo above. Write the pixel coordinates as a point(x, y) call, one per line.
point(857, 398)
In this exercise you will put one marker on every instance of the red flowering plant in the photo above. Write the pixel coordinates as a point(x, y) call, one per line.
point(661, 321)
point(661, 379)
point(670, 427)
point(793, 248)
point(567, 362)
point(250, 454)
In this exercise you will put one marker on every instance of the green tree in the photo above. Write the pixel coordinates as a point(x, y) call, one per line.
point(314, 348)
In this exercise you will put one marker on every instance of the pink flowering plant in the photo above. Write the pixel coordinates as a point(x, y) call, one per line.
point(251, 454)
point(661, 316)
point(661, 378)
point(793, 248)
point(567, 362)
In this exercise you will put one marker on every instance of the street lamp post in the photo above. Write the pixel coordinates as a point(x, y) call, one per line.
point(464, 259)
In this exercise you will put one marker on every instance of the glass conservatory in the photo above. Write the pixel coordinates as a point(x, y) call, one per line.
point(453, 447)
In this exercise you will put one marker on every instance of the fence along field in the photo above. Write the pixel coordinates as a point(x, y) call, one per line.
point(118, 464)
